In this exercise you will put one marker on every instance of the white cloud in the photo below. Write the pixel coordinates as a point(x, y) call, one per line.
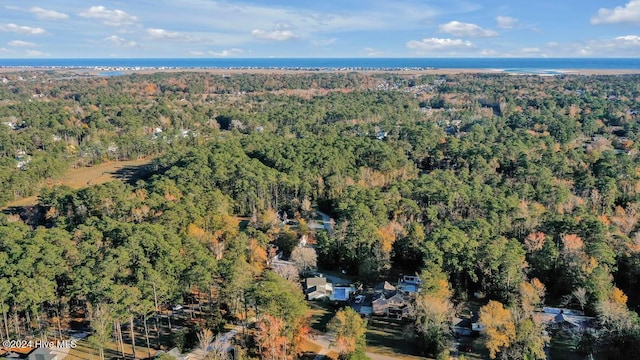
point(621, 46)
point(20, 43)
point(506, 22)
point(274, 35)
point(34, 53)
point(439, 44)
point(629, 38)
point(460, 29)
point(232, 16)
point(630, 13)
point(227, 53)
point(109, 17)
point(48, 14)
point(118, 41)
point(28, 30)
point(196, 53)
point(169, 35)
point(488, 52)
point(368, 51)
point(627, 45)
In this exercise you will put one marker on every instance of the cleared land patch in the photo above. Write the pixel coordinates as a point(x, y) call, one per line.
point(83, 177)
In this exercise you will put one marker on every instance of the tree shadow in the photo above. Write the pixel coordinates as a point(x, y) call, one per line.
point(390, 335)
point(131, 174)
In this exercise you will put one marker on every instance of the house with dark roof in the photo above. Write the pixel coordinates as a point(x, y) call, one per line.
point(379, 304)
point(384, 286)
point(363, 304)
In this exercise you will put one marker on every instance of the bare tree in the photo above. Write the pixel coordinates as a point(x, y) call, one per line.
point(304, 258)
point(580, 294)
point(205, 337)
point(219, 351)
point(287, 272)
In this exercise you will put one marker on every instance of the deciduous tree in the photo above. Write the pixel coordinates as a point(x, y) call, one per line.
point(348, 331)
point(499, 327)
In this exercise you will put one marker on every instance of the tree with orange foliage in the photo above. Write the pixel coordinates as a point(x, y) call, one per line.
point(531, 296)
point(270, 339)
point(572, 243)
point(618, 296)
point(534, 241)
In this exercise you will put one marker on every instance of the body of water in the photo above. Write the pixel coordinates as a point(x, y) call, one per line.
point(503, 64)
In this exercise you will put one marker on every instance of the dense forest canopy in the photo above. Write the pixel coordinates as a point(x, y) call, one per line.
point(487, 181)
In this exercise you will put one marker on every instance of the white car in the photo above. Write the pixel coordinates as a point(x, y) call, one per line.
point(177, 307)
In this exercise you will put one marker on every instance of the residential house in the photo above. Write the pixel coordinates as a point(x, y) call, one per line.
point(175, 353)
point(559, 318)
point(462, 327)
point(397, 301)
point(318, 287)
point(384, 287)
point(10, 355)
point(43, 353)
point(409, 284)
point(379, 304)
point(363, 304)
point(392, 304)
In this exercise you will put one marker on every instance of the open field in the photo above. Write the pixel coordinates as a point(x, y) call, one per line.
point(83, 177)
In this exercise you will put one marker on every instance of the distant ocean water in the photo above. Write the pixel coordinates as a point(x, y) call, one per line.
point(534, 65)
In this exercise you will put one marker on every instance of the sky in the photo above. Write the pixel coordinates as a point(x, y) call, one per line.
point(318, 28)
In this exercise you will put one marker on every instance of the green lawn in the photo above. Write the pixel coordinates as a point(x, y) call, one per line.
point(389, 337)
point(321, 313)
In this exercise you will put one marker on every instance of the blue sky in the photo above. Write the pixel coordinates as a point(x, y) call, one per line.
point(329, 28)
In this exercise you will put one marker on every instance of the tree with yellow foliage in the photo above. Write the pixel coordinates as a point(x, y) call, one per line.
point(348, 330)
point(499, 327)
point(434, 311)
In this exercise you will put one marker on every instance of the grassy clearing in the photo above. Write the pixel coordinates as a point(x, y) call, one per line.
point(562, 347)
point(321, 313)
point(85, 351)
point(390, 337)
point(83, 177)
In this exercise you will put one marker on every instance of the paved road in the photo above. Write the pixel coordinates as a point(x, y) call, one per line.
point(326, 221)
